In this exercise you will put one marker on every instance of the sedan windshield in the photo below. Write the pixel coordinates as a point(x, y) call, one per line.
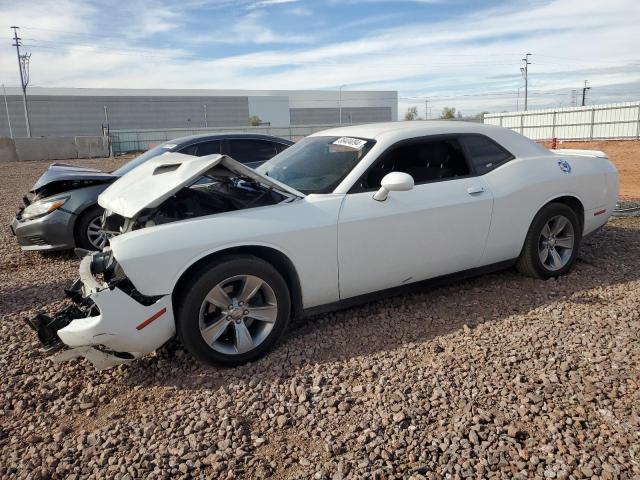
point(316, 164)
point(139, 160)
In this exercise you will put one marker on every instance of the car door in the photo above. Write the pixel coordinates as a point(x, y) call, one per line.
point(251, 152)
point(437, 228)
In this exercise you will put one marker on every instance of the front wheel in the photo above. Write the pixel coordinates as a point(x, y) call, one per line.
point(234, 311)
point(88, 232)
point(552, 243)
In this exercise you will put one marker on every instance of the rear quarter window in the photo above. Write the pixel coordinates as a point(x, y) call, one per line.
point(484, 154)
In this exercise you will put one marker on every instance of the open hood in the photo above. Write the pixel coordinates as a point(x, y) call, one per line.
point(154, 181)
point(60, 172)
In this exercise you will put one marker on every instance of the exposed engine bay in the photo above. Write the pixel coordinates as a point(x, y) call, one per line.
point(208, 195)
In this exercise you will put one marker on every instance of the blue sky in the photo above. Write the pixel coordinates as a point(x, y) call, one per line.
point(464, 54)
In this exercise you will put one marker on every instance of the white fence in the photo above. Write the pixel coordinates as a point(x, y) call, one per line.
point(613, 120)
point(123, 141)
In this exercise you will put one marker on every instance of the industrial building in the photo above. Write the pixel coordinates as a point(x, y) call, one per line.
point(84, 111)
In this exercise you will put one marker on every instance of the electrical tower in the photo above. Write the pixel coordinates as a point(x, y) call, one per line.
point(23, 67)
point(584, 92)
point(525, 74)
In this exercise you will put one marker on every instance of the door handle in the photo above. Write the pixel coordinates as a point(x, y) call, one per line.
point(475, 190)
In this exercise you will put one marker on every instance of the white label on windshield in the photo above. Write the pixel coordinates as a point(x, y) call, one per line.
point(168, 146)
point(350, 142)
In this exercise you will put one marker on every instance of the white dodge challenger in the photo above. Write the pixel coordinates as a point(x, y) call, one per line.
point(224, 256)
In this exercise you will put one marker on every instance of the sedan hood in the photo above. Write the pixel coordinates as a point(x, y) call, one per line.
point(60, 172)
point(154, 181)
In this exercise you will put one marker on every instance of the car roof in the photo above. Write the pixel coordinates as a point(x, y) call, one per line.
point(388, 133)
point(181, 141)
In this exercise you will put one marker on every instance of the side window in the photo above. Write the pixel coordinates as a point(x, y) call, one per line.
point(190, 150)
point(247, 151)
point(424, 160)
point(202, 149)
point(280, 146)
point(484, 153)
point(208, 148)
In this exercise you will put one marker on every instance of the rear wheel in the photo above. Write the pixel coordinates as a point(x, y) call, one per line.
point(552, 242)
point(89, 234)
point(234, 311)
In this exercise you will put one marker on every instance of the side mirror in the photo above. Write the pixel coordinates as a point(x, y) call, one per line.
point(394, 182)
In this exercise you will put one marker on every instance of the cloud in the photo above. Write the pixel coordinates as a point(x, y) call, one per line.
point(456, 62)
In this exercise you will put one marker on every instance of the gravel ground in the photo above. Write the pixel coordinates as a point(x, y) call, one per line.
point(497, 377)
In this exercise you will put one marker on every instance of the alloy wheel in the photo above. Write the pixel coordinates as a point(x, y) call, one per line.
point(238, 314)
point(96, 236)
point(556, 243)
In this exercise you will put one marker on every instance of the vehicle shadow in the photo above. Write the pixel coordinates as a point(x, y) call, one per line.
point(35, 295)
point(421, 315)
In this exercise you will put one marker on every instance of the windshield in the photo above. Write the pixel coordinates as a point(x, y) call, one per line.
point(139, 160)
point(316, 164)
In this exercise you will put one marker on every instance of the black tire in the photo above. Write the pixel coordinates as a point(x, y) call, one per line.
point(205, 279)
point(82, 226)
point(529, 262)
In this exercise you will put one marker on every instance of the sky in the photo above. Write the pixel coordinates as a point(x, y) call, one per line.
point(454, 53)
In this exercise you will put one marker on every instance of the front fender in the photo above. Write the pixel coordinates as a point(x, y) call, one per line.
point(305, 231)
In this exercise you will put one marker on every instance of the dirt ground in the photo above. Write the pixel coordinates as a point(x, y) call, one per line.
point(500, 376)
point(625, 154)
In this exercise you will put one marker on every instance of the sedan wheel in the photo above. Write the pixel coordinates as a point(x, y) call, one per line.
point(96, 237)
point(238, 314)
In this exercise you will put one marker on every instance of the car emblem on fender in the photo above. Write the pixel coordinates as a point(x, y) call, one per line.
point(564, 166)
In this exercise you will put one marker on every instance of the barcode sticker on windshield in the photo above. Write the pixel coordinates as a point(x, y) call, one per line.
point(350, 142)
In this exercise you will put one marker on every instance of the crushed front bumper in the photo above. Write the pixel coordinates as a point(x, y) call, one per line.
point(108, 324)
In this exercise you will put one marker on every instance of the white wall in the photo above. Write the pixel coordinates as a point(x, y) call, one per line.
point(613, 120)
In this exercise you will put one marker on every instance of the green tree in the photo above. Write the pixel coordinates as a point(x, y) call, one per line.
point(412, 114)
point(448, 113)
point(254, 121)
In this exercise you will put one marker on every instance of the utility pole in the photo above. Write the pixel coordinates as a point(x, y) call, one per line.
point(426, 109)
point(584, 92)
point(525, 73)
point(23, 66)
point(6, 106)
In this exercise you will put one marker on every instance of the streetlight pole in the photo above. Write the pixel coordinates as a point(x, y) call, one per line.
point(6, 106)
point(518, 100)
point(340, 101)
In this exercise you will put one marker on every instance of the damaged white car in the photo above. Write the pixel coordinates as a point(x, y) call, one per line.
point(224, 256)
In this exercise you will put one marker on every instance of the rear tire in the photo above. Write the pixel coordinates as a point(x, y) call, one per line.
point(552, 243)
point(234, 311)
point(87, 230)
